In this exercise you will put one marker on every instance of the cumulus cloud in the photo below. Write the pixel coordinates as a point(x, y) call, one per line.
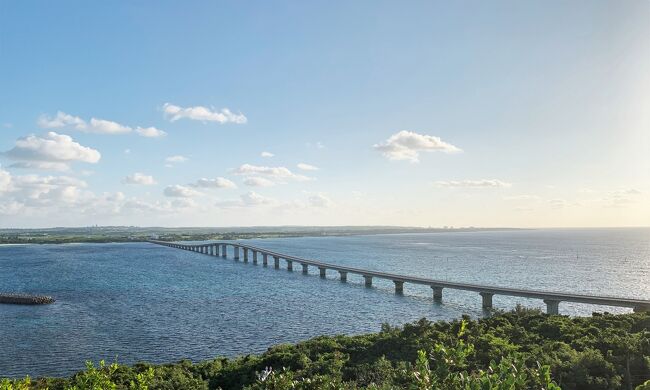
point(150, 132)
point(178, 191)
point(176, 159)
point(219, 182)
point(320, 200)
point(94, 125)
point(258, 182)
point(254, 199)
point(51, 151)
point(98, 126)
point(200, 113)
point(267, 154)
point(407, 145)
point(307, 167)
point(483, 183)
point(274, 173)
point(139, 178)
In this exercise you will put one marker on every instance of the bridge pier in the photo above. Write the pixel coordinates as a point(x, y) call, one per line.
point(211, 250)
point(368, 280)
point(224, 251)
point(552, 306)
point(236, 253)
point(265, 259)
point(399, 287)
point(245, 255)
point(289, 265)
point(276, 262)
point(344, 276)
point(305, 268)
point(216, 250)
point(255, 257)
point(437, 293)
point(322, 272)
point(486, 300)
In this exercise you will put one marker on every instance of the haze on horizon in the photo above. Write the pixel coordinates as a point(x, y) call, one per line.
point(197, 113)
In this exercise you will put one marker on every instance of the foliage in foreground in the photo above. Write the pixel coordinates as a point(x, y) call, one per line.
point(519, 350)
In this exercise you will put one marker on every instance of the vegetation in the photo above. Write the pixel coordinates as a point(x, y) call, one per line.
point(524, 349)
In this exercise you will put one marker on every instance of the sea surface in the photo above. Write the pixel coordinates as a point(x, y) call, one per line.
point(144, 302)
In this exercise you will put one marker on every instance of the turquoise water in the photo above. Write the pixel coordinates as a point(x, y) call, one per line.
point(144, 302)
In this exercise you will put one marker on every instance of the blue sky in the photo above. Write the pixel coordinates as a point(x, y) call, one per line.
point(502, 113)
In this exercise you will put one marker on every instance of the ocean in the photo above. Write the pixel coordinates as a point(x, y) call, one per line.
point(130, 302)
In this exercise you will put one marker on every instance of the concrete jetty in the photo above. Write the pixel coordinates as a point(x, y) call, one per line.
point(550, 298)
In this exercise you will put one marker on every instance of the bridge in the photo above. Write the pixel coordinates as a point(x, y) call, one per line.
point(551, 299)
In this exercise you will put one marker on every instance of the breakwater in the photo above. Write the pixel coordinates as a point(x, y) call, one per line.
point(25, 299)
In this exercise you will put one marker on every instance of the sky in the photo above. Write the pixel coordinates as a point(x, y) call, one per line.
point(416, 113)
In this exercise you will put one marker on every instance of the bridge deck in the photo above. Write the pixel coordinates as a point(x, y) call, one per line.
point(544, 295)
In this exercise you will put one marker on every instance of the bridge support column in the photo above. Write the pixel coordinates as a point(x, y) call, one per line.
point(368, 280)
point(211, 250)
point(344, 276)
point(276, 262)
point(289, 265)
point(245, 255)
point(323, 272)
point(255, 257)
point(641, 308)
point(552, 306)
point(224, 251)
point(236, 253)
point(216, 250)
point(265, 259)
point(305, 268)
point(399, 287)
point(437, 293)
point(486, 300)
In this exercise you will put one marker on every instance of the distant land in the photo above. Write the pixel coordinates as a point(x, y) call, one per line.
point(99, 234)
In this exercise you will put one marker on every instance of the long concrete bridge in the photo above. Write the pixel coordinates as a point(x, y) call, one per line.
point(551, 299)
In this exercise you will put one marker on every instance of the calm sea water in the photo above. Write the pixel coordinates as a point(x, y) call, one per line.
point(144, 302)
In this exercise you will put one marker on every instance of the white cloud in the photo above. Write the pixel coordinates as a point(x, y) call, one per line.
point(200, 113)
point(61, 120)
point(102, 126)
point(127, 151)
point(51, 151)
point(98, 126)
point(176, 159)
point(254, 199)
point(258, 182)
point(483, 183)
point(267, 154)
point(5, 181)
point(178, 191)
point(150, 132)
point(407, 145)
point(320, 200)
point(95, 125)
point(139, 178)
point(276, 173)
point(307, 167)
point(219, 182)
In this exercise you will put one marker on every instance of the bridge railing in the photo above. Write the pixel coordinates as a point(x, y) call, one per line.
point(552, 299)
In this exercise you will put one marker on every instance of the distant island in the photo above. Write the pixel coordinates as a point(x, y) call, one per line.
point(104, 234)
